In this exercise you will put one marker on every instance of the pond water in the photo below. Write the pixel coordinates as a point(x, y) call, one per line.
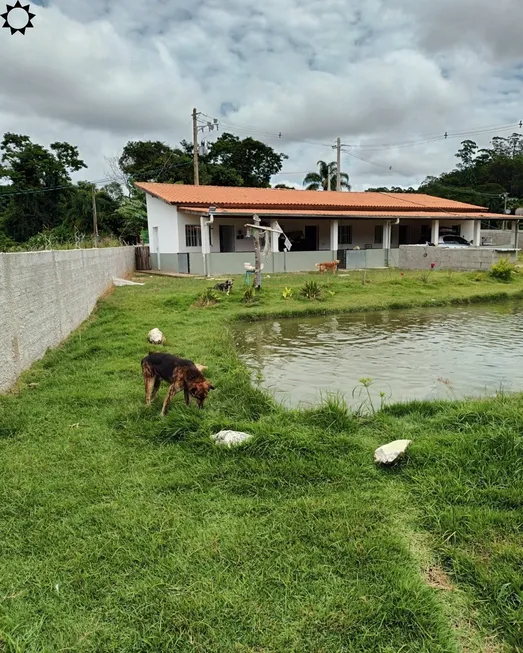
point(448, 352)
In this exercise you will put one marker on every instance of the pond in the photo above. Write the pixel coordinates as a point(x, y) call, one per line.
point(448, 352)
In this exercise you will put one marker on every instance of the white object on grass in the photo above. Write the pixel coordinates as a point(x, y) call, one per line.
point(156, 337)
point(126, 282)
point(230, 438)
point(389, 453)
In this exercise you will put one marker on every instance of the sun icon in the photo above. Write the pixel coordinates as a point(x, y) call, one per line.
point(17, 18)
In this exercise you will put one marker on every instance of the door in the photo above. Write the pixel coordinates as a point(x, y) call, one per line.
point(311, 238)
point(156, 247)
point(403, 235)
point(227, 238)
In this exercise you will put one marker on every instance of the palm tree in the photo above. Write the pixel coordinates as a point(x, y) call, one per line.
point(320, 180)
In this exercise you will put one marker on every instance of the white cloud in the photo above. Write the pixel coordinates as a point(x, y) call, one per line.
point(100, 73)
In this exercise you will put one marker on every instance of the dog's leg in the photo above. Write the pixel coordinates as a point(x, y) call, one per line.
point(173, 389)
point(186, 394)
point(156, 387)
point(148, 379)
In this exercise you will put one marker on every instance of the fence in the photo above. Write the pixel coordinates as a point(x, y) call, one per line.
point(414, 257)
point(44, 296)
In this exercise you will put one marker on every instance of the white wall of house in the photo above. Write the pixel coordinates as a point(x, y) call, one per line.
point(173, 239)
point(164, 217)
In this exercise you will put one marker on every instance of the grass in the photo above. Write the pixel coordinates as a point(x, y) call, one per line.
point(123, 531)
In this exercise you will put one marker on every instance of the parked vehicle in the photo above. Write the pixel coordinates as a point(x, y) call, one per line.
point(448, 240)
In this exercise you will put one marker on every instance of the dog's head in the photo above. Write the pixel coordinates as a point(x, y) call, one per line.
point(229, 283)
point(199, 390)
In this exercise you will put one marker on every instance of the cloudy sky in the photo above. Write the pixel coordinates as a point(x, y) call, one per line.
point(374, 72)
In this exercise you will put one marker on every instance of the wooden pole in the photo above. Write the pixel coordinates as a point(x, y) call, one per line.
point(257, 253)
point(195, 147)
point(95, 220)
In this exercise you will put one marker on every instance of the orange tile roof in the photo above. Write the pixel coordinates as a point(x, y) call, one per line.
point(351, 213)
point(231, 197)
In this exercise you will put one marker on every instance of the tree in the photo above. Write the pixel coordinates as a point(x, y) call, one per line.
point(392, 189)
point(253, 161)
point(320, 180)
point(155, 161)
point(38, 184)
point(284, 186)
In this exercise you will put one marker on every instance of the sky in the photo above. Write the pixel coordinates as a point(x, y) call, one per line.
point(376, 73)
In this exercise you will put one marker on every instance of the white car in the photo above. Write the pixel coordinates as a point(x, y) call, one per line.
point(449, 240)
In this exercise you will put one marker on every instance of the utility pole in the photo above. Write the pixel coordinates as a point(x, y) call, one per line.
point(95, 219)
point(338, 164)
point(195, 146)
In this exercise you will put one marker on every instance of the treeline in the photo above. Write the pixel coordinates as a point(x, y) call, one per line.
point(485, 177)
point(41, 206)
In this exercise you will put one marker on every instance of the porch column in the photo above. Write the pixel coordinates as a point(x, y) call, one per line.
point(434, 237)
point(275, 237)
point(515, 227)
point(206, 244)
point(476, 241)
point(334, 236)
point(387, 233)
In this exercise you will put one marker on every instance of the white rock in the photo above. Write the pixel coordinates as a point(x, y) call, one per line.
point(126, 282)
point(389, 453)
point(156, 337)
point(230, 438)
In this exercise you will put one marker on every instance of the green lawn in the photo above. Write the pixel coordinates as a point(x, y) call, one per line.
point(124, 531)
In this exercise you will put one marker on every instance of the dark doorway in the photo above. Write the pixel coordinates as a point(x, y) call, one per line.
point(311, 238)
point(227, 238)
point(403, 235)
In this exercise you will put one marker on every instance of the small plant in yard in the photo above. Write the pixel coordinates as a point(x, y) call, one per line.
point(311, 290)
point(287, 293)
point(249, 296)
point(363, 391)
point(207, 298)
point(502, 270)
point(425, 275)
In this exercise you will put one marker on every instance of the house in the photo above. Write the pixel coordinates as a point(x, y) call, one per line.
point(202, 229)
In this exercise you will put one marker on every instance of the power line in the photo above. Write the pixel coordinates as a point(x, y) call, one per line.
point(429, 138)
point(71, 186)
point(444, 186)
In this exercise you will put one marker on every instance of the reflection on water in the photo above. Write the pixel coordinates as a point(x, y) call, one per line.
point(415, 354)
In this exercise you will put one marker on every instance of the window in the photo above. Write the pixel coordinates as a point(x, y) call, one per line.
point(378, 234)
point(193, 235)
point(344, 234)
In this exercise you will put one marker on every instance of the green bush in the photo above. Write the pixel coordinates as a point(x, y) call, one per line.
point(502, 270)
point(311, 290)
point(249, 296)
point(207, 298)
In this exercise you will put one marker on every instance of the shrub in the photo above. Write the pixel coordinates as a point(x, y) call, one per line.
point(287, 293)
point(249, 296)
point(311, 290)
point(502, 270)
point(207, 298)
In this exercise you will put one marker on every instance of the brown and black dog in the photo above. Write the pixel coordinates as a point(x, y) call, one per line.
point(179, 373)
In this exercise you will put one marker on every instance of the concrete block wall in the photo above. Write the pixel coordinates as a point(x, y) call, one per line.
point(44, 296)
point(413, 257)
point(497, 237)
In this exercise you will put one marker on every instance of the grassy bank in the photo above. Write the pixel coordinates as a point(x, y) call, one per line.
point(123, 531)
